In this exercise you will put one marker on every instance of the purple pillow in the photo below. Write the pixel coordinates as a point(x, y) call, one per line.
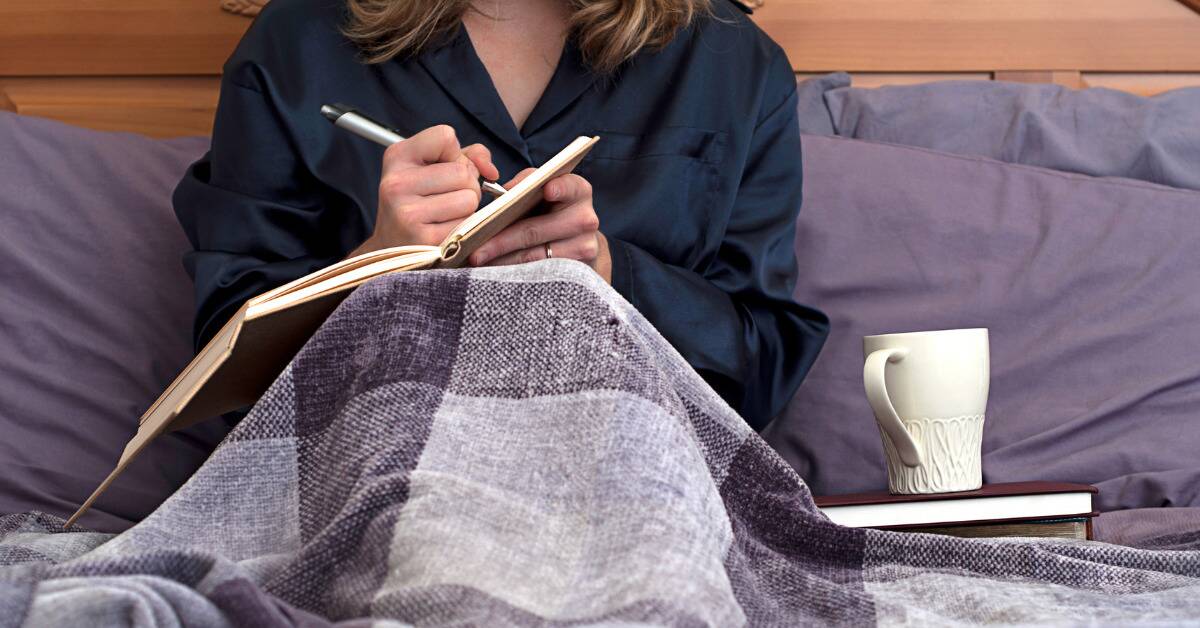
point(95, 317)
point(1089, 288)
point(811, 109)
point(1100, 132)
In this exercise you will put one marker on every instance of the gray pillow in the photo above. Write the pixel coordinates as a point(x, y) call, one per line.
point(1089, 287)
point(1100, 132)
point(95, 317)
point(815, 118)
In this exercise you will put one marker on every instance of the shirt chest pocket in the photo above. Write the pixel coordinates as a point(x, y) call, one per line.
point(660, 190)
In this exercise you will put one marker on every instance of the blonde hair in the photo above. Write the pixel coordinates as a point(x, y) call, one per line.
point(608, 32)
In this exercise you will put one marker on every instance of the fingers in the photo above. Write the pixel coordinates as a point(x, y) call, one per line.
point(448, 206)
point(437, 233)
point(438, 144)
point(433, 145)
point(567, 188)
point(429, 184)
point(479, 155)
point(583, 247)
point(406, 183)
point(520, 177)
point(571, 215)
point(531, 232)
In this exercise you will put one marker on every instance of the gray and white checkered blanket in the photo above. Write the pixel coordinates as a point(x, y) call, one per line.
point(518, 446)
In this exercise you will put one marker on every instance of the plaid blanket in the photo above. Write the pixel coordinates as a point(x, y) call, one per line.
point(517, 446)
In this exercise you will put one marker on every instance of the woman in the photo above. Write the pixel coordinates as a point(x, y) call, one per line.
point(686, 205)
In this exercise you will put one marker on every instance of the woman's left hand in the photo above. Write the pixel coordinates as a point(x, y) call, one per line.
point(570, 229)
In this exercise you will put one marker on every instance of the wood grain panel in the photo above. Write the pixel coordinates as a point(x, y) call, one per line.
point(985, 35)
point(125, 37)
point(1141, 84)
point(110, 54)
point(155, 106)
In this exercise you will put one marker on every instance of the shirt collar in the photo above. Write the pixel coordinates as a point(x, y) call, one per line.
point(570, 80)
point(458, 70)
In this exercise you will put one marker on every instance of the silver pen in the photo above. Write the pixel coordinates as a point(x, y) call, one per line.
point(353, 120)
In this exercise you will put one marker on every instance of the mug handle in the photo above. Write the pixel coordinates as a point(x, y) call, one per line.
point(881, 404)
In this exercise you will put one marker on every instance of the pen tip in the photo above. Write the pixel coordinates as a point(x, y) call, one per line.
point(333, 112)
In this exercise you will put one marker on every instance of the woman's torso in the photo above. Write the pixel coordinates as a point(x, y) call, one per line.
point(674, 124)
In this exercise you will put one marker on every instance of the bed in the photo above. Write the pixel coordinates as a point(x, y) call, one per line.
point(119, 91)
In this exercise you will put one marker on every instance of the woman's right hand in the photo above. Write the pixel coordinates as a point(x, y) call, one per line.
point(429, 184)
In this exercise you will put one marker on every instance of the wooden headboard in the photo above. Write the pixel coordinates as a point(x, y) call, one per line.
point(1142, 46)
point(153, 66)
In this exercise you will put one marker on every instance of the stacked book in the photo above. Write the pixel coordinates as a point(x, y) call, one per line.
point(1037, 509)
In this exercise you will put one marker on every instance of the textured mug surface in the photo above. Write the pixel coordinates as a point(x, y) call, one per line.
point(952, 449)
point(929, 391)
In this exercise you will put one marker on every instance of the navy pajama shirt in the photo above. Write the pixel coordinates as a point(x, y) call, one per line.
point(696, 178)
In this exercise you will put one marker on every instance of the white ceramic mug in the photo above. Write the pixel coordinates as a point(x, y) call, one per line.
point(929, 390)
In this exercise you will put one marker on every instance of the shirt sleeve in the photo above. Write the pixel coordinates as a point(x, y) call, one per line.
point(741, 329)
point(253, 213)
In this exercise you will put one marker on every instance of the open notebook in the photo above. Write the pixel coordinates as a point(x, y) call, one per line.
point(252, 349)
